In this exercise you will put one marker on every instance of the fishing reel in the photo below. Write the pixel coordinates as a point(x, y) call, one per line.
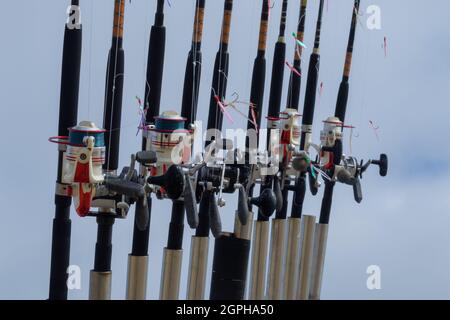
point(85, 181)
point(169, 176)
point(338, 167)
point(286, 154)
point(228, 175)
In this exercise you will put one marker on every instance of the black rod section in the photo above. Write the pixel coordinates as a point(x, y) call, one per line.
point(293, 98)
point(215, 117)
point(258, 79)
point(189, 111)
point(308, 115)
point(341, 108)
point(68, 110)
point(113, 115)
point(152, 102)
point(231, 254)
point(276, 87)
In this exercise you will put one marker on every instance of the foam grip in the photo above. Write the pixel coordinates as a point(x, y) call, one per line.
point(124, 187)
point(243, 211)
point(190, 203)
point(312, 183)
point(214, 216)
point(278, 193)
point(142, 214)
point(357, 191)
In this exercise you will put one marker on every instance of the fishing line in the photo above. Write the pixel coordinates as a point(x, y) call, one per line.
point(90, 60)
point(194, 54)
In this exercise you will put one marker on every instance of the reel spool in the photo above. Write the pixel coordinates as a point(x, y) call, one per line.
point(82, 164)
point(167, 139)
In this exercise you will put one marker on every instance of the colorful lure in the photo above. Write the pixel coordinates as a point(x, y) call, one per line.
point(291, 67)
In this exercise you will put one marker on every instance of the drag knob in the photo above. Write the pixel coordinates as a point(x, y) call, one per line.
point(266, 202)
point(172, 182)
point(146, 158)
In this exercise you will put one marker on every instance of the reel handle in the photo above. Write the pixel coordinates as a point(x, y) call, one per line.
point(266, 202)
point(172, 182)
point(383, 163)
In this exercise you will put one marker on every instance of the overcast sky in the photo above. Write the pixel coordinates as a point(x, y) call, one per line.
point(402, 224)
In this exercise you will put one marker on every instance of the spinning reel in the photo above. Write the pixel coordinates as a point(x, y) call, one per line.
point(85, 182)
point(216, 176)
point(344, 169)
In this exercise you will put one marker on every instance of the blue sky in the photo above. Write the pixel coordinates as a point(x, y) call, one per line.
point(402, 223)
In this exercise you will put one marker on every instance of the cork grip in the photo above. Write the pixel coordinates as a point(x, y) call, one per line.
point(119, 11)
point(264, 26)
point(198, 24)
point(226, 25)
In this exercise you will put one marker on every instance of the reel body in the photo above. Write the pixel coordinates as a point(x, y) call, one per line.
point(83, 162)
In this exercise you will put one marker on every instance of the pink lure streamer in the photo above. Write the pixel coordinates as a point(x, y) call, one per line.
point(252, 110)
point(222, 108)
point(142, 113)
point(291, 67)
point(375, 129)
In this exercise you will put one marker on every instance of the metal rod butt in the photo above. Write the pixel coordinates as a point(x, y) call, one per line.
point(170, 275)
point(137, 277)
point(228, 279)
point(259, 261)
point(292, 259)
point(276, 259)
point(306, 256)
point(243, 231)
point(318, 260)
point(100, 285)
point(198, 264)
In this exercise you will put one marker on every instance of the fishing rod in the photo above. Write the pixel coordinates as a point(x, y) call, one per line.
point(101, 275)
point(196, 277)
point(338, 167)
point(300, 260)
point(68, 110)
point(232, 250)
point(278, 231)
point(173, 253)
point(295, 80)
point(209, 218)
point(294, 222)
point(138, 259)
